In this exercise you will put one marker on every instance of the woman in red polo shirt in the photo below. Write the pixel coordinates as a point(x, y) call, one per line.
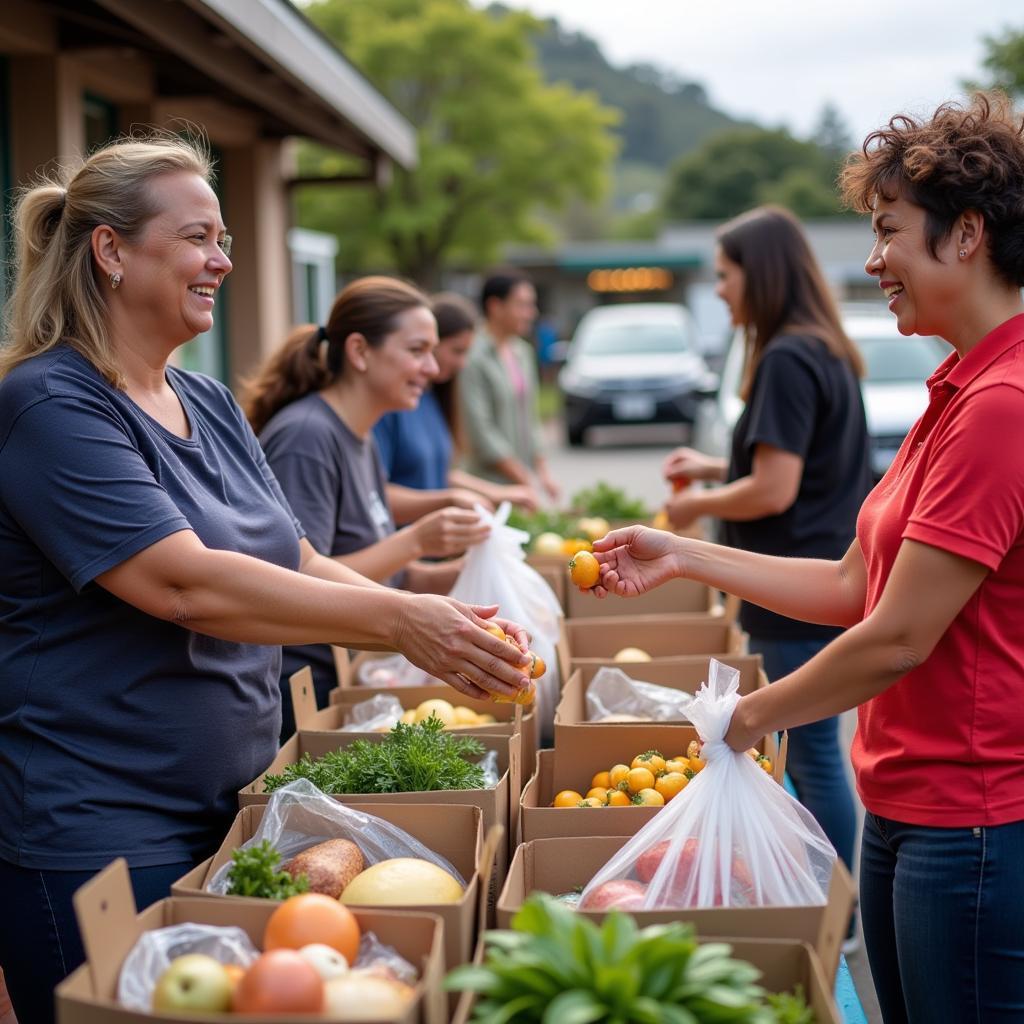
point(932, 589)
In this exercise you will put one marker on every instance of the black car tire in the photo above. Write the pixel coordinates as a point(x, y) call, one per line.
point(574, 435)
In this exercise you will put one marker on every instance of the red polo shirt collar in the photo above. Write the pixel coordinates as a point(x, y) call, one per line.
point(958, 372)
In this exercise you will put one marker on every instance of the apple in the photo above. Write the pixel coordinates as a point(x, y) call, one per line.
point(193, 982)
point(326, 959)
point(622, 894)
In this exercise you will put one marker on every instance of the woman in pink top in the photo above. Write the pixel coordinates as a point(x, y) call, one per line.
point(932, 589)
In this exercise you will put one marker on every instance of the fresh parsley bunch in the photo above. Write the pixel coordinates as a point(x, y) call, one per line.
point(557, 965)
point(420, 758)
point(608, 502)
point(254, 872)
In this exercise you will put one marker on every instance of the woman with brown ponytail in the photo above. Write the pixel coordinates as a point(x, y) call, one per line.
point(314, 406)
point(151, 565)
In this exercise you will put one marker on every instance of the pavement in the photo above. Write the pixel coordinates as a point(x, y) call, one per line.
point(631, 458)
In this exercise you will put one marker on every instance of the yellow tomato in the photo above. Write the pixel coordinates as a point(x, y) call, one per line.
point(670, 784)
point(602, 779)
point(677, 764)
point(649, 798)
point(661, 521)
point(584, 570)
point(617, 776)
point(495, 630)
point(567, 798)
point(766, 763)
point(600, 792)
point(616, 798)
point(640, 778)
point(651, 759)
point(697, 764)
point(574, 545)
point(591, 801)
point(537, 666)
point(693, 748)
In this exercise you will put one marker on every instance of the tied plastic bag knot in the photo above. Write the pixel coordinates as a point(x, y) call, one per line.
point(510, 540)
point(716, 750)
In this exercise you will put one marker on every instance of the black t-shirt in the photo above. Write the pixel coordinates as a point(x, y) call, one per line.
point(806, 401)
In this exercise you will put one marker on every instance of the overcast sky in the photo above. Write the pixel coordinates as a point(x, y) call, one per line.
point(780, 61)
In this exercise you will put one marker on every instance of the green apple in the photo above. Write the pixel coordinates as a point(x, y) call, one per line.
point(195, 983)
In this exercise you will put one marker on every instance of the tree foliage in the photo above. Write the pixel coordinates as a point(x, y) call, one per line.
point(1004, 60)
point(496, 144)
point(749, 166)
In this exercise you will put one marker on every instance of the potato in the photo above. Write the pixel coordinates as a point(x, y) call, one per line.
point(329, 866)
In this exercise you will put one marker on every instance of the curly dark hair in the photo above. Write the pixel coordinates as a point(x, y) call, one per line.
point(965, 157)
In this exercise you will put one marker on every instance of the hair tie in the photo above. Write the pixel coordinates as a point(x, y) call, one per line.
point(321, 334)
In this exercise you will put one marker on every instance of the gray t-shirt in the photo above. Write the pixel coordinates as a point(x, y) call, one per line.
point(334, 482)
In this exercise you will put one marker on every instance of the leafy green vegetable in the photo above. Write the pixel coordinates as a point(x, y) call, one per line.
point(791, 1007)
point(419, 758)
point(609, 503)
point(253, 872)
point(559, 966)
point(543, 521)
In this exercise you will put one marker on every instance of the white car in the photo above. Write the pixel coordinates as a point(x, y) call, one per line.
point(893, 386)
point(635, 362)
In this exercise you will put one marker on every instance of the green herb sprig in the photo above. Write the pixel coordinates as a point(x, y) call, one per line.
point(254, 872)
point(608, 502)
point(557, 965)
point(420, 758)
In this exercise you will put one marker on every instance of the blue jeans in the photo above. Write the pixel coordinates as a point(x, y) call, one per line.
point(39, 940)
point(943, 917)
point(815, 763)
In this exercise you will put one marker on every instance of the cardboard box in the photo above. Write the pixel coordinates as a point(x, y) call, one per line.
point(579, 756)
point(453, 832)
point(110, 926)
point(684, 674)
point(670, 598)
point(661, 636)
point(332, 718)
point(494, 803)
point(784, 964)
point(561, 865)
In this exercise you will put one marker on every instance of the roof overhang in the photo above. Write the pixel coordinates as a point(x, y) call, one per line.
point(268, 53)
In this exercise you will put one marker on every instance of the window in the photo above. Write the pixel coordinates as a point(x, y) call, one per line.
point(101, 121)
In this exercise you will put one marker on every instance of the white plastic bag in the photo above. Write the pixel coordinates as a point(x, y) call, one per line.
point(732, 838)
point(155, 950)
point(612, 693)
point(380, 713)
point(496, 573)
point(392, 670)
point(299, 816)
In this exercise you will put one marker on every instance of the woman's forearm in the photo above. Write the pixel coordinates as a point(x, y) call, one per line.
point(489, 489)
point(741, 501)
point(433, 577)
point(809, 589)
point(383, 559)
point(408, 504)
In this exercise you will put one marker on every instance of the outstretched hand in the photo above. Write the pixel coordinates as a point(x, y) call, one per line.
point(635, 560)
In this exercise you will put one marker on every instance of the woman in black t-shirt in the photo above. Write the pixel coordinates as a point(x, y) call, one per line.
point(798, 469)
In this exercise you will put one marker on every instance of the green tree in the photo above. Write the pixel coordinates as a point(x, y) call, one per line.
point(497, 145)
point(1004, 60)
point(742, 168)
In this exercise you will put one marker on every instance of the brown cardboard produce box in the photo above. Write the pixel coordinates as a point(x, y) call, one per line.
point(670, 598)
point(684, 674)
point(453, 832)
point(494, 803)
point(660, 636)
point(107, 918)
point(580, 755)
point(332, 718)
point(784, 964)
point(563, 865)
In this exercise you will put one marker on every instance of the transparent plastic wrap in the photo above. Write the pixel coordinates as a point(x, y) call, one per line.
point(732, 838)
point(152, 955)
point(392, 670)
point(495, 572)
point(299, 816)
point(155, 950)
point(489, 764)
point(614, 696)
point(380, 713)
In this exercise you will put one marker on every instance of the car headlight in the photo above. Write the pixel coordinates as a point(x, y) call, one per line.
point(576, 384)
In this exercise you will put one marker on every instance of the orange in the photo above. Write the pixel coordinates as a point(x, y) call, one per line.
point(649, 798)
point(617, 776)
point(697, 764)
point(591, 801)
point(313, 917)
point(670, 784)
point(567, 798)
point(602, 779)
point(650, 759)
point(616, 798)
point(677, 764)
point(599, 793)
point(584, 570)
point(640, 778)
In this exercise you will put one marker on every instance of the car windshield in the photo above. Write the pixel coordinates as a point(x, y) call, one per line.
point(899, 358)
point(633, 339)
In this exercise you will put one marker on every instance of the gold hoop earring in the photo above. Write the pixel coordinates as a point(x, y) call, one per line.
point(115, 281)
